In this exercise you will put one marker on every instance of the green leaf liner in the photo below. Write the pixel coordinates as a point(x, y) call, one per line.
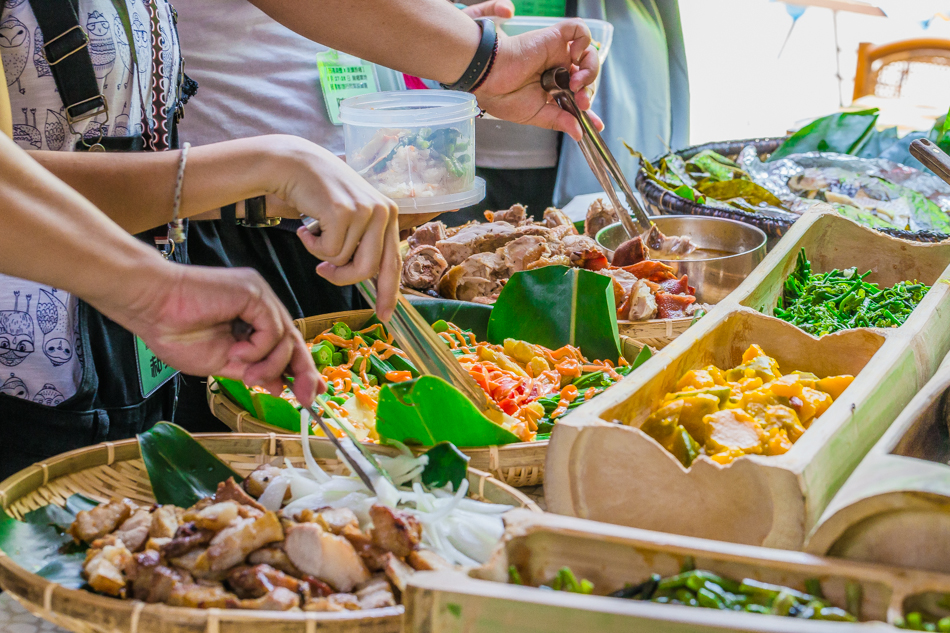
point(556, 306)
point(39, 543)
point(447, 464)
point(843, 133)
point(276, 411)
point(181, 471)
point(643, 356)
point(427, 410)
point(237, 391)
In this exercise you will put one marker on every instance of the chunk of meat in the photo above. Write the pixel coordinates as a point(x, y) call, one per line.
point(164, 522)
point(426, 560)
point(280, 599)
point(190, 562)
point(673, 306)
point(322, 605)
point(203, 596)
point(395, 531)
point(640, 304)
point(276, 557)
point(327, 556)
point(662, 245)
point(555, 217)
point(373, 556)
point(134, 530)
point(187, 538)
point(522, 251)
point(677, 286)
point(514, 216)
point(599, 215)
point(376, 593)
point(480, 275)
point(230, 491)
point(630, 252)
point(335, 520)
point(256, 483)
point(151, 581)
point(651, 270)
point(256, 581)
point(105, 569)
point(429, 234)
point(157, 543)
point(397, 571)
point(534, 229)
point(554, 260)
point(423, 268)
point(101, 520)
point(217, 516)
point(475, 238)
point(232, 545)
point(576, 245)
point(592, 260)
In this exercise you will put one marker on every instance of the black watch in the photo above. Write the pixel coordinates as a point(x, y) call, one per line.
point(482, 59)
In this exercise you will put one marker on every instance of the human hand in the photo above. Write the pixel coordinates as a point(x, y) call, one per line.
point(490, 9)
point(512, 90)
point(359, 230)
point(184, 314)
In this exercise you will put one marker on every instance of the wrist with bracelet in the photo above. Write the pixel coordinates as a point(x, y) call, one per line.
point(482, 62)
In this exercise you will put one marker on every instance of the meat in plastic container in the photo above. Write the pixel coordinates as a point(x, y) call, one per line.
point(416, 147)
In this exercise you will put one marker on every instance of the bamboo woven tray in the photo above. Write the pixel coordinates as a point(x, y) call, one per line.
point(116, 469)
point(757, 500)
point(520, 464)
point(611, 556)
point(895, 507)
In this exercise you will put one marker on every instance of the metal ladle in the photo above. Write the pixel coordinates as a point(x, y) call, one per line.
point(556, 82)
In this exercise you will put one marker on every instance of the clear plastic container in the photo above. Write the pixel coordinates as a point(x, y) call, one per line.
point(416, 147)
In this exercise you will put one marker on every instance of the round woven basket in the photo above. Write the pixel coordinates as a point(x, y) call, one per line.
point(115, 469)
point(519, 465)
point(659, 200)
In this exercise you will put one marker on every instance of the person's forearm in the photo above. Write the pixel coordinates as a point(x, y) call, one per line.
point(137, 190)
point(54, 236)
point(426, 38)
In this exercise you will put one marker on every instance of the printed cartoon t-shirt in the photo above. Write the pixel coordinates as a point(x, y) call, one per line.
point(40, 354)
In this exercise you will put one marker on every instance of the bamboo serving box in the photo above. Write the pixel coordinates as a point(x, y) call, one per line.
point(758, 500)
point(115, 469)
point(519, 465)
point(895, 507)
point(611, 556)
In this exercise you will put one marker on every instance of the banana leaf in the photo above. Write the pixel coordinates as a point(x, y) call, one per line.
point(447, 464)
point(877, 142)
point(277, 411)
point(181, 471)
point(556, 306)
point(237, 392)
point(427, 410)
point(754, 193)
point(842, 133)
point(466, 315)
point(40, 545)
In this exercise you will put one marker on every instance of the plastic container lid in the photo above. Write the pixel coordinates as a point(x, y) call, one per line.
point(601, 31)
point(439, 204)
point(410, 108)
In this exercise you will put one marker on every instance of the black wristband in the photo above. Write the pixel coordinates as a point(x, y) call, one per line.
point(480, 62)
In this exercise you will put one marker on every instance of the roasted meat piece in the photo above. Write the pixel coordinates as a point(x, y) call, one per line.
point(555, 217)
point(426, 235)
point(373, 556)
point(395, 531)
point(520, 252)
point(599, 215)
point(276, 557)
point(426, 560)
point(475, 238)
point(134, 530)
point(255, 582)
point(206, 595)
point(376, 593)
point(231, 546)
point(217, 516)
point(187, 538)
point(423, 267)
point(514, 216)
point(478, 276)
point(397, 571)
point(677, 286)
point(651, 270)
point(661, 245)
point(255, 483)
point(279, 599)
point(105, 569)
point(151, 581)
point(640, 304)
point(327, 556)
point(335, 520)
point(630, 252)
point(230, 491)
point(575, 246)
point(164, 522)
point(101, 520)
point(673, 306)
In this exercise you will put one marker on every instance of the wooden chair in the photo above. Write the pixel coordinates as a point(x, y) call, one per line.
point(912, 69)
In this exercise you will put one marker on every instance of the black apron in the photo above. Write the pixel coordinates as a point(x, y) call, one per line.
point(109, 403)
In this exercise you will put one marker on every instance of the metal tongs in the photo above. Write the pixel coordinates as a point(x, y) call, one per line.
point(556, 82)
point(932, 157)
point(428, 352)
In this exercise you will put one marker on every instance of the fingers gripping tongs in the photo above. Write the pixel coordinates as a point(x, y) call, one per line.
point(556, 82)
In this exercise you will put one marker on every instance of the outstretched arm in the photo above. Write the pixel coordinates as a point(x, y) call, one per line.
point(54, 236)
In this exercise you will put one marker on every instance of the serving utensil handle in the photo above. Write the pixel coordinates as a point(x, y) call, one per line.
point(934, 158)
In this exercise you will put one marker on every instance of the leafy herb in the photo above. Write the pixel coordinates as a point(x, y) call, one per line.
point(447, 464)
point(839, 300)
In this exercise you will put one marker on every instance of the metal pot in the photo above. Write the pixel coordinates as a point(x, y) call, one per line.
point(713, 278)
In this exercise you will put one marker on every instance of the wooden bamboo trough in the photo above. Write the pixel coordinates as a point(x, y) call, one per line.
point(611, 557)
point(757, 500)
point(115, 469)
point(520, 464)
point(895, 507)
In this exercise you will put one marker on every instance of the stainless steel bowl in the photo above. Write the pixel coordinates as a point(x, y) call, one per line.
point(713, 278)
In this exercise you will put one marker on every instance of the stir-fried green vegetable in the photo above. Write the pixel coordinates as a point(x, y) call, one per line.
point(699, 588)
point(841, 300)
point(915, 621)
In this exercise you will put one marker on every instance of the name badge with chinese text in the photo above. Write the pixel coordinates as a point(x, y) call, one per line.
point(343, 76)
point(153, 373)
